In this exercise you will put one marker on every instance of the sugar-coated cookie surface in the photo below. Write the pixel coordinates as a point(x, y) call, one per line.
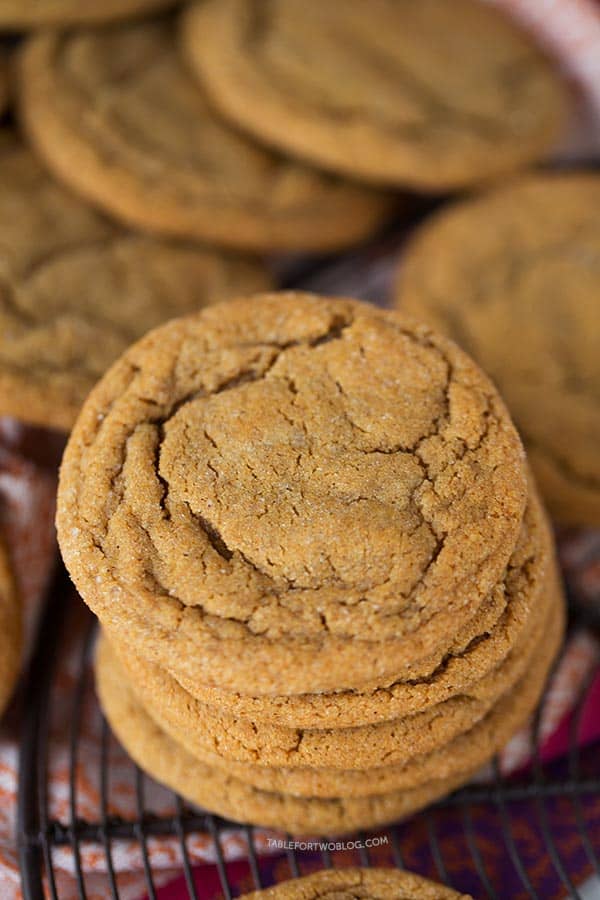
point(116, 116)
point(513, 277)
point(358, 884)
point(76, 290)
point(271, 494)
point(433, 94)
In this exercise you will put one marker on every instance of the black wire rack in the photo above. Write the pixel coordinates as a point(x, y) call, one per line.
point(473, 840)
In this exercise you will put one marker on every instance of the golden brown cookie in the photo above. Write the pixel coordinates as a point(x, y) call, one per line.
point(500, 625)
point(116, 116)
point(18, 15)
point(358, 884)
point(76, 290)
point(513, 277)
point(251, 751)
point(10, 629)
point(212, 788)
point(258, 496)
point(374, 90)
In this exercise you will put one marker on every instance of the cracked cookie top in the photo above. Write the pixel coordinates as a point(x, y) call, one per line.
point(291, 471)
point(116, 116)
point(374, 89)
point(76, 290)
point(514, 277)
point(358, 884)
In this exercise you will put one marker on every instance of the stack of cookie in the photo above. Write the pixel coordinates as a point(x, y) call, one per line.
point(323, 573)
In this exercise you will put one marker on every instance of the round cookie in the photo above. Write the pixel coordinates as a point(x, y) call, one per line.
point(230, 797)
point(224, 741)
point(260, 494)
point(481, 646)
point(19, 15)
point(116, 116)
point(76, 290)
point(373, 89)
point(358, 884)
point(10, 629)
point(516, 282)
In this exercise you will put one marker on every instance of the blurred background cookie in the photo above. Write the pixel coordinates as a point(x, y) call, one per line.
point(393, 93)
point(514, 277)
point(19, 15)
point(76, 289)
point(116, 116)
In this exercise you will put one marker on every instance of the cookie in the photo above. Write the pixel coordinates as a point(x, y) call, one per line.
point(266, 495)
point(76, 290)
point(10, 629)
point(311, 767)
point(484, 642)
point(116, 116)
point(224, 794)
point(18, 15)
point(516, 283)
point(358, 884)
point(373, 90)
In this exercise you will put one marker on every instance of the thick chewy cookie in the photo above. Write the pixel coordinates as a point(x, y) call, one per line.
point(76, 290)
point(117, 117)
point(270, 495)
point(436, 774)
point(358, 884)
point(22, 14)
point(499, 627)
point(513, 277)
point(10, 629)
point(375, 89)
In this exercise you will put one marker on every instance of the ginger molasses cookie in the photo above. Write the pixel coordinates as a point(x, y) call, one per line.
point(500, 627)
point(425, 779)
point(358, 884)
point(261, 494)
point(76, 290)
point(18, 15)
point(513, 277)
point(374, 90)
point(10, 628)
point(116, 116)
